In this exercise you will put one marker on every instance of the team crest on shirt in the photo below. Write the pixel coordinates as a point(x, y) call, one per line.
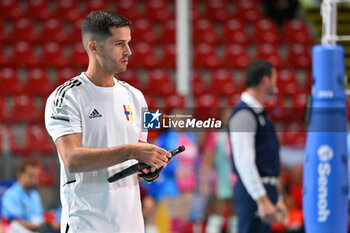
point(128, 113)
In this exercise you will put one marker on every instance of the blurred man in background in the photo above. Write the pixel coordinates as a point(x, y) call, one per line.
point(21, 203)
point(256, 153)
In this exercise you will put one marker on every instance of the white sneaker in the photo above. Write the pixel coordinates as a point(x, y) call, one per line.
point(214, 224)
point(233, 224)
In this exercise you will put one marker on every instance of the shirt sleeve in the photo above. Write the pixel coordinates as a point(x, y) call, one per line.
point(243, 128)
point(36, 216)
point(143, 132)
point(11, 208)
point(62, 116)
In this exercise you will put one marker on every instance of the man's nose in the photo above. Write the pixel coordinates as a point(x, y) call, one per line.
point(128, 50)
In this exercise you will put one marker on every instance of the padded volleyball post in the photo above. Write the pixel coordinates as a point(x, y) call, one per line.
point(325, 198)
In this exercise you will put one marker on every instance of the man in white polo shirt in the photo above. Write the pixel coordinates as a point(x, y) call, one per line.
point(95, 122)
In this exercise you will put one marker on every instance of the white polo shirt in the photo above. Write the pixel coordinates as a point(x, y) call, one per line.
point(106, 117)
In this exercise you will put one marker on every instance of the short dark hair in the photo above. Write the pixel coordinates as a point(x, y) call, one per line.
point(97, 24)
point(27, 162)
point(255, 72)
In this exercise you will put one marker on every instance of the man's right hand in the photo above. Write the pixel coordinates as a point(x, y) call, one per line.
point(152, 155)
point(267, 211)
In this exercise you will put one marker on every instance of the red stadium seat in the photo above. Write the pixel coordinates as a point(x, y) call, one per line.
point(95, 5)
point(3, 111)
point(64, 75)
point(129, 9)
point(298, 105)
point(4, 61)
point(144, 56)
point(266, 31)
point(23, 55)
point(9, 82)
point(299, 101)
point(47, 175)
point(299, 56)
point(68, 9)
point(233, 99)
point(23, 29)
point(235, 33)
point(10, 9)
point(236, 56)
point(53, 55)
point(248, 10)
point(205, 56)
point(38, 141)
point(196, 13)
point(160, 82)
point(151, 101)
point(287, 82)
point(3, 34)
point(198, 86)
point(130, 76)
point(38, 9)
point(24, 110)
point(308, 82)
point(294, 134)
point(217, 10)
point(80, 57)
point(174, 101)
point(168, 31)
point(270, 53)
point(208, 100)
point(223, 83)
point(143, 31)
point(280, 113)
point(169, 55)
point(277, 109)
point(296, 31)
point(75, 35)
point(52, 30)
point(207, 106)
point(158, 10)
point(33, 139)
point(16, 148)
point(38, 82)
point(204, 32)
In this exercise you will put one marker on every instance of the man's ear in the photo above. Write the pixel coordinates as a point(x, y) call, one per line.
point(92, 47)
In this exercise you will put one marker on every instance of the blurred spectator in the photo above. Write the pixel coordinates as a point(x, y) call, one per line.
point(280, 10)
point(292, 159)
point(149, 207)
point(21, 203)
point(217, 161)
point(178, 180)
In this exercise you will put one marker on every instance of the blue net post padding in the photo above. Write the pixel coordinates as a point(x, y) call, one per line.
point(325, 198)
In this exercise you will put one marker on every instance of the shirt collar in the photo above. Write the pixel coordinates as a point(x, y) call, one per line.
point(252, 102)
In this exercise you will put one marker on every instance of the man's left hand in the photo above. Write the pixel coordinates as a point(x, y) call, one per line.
point(282, 212)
